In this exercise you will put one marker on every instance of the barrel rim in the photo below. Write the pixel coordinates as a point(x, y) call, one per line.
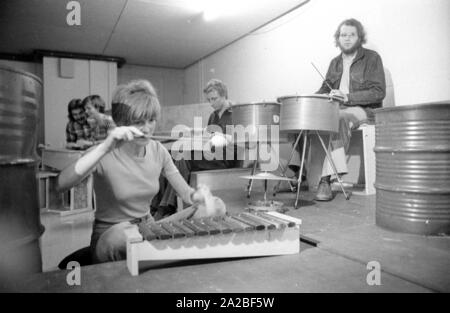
point(406, 149)
point(22, 72)
point(412, 190)
point(426, 105)
point(313, 95)
point(240, 104)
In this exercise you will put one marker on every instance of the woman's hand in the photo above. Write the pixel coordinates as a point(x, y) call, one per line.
point(207, 204)
point(119, 135)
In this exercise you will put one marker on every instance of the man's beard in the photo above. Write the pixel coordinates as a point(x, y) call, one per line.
point(351, 50)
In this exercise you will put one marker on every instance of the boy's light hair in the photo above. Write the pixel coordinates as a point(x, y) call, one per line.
point(217, 85)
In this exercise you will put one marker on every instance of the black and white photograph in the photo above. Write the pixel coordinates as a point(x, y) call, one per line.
point(228, 153)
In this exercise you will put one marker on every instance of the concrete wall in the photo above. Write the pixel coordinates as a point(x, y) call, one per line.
point(412, 37)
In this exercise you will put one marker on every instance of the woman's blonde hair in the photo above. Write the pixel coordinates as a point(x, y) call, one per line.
point(135, 102)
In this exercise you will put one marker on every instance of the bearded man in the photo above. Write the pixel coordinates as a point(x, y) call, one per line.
point(356, 76)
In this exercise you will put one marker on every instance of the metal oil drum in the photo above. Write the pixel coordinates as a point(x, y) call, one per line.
point(20, 226)
point(20, 96)
point(413, 168)
point(20, 223)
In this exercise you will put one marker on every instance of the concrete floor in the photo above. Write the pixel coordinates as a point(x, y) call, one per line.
point(339, 238)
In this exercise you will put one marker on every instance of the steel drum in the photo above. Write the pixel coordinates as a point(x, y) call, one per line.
point(264, 113)
point(413, 168)
point(253, 115)
point(309, 112)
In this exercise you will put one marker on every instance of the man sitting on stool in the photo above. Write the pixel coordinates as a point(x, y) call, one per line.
point(357, 77)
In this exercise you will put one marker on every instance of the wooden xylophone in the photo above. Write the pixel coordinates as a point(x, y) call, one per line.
point(242, 235)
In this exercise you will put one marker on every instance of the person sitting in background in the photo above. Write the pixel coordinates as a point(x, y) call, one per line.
point(78, 130)
point(217, 95)
point(356, 76)
point(126, 168)
point(101, 124)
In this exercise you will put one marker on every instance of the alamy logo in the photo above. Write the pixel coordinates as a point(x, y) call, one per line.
point(261, 142)
point(73, 278)
point(74, 16)
point(373, 278)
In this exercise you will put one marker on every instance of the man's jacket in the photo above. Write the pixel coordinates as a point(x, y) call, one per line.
point(367, 82)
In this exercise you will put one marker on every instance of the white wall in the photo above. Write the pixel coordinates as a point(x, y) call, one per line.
point(412, 37)
point(168, 82)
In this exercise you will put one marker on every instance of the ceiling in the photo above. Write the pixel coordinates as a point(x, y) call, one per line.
point(163, 33)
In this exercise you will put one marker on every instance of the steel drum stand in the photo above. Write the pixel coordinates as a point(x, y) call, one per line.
point(255, 165)
point(329, 158)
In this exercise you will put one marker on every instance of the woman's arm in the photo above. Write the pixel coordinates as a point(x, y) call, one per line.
point(77, 171)
point(181, 187)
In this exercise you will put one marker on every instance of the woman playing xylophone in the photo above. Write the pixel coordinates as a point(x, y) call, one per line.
point(126, 169)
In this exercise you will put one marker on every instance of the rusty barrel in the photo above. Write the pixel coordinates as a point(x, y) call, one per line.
point(413, 168)
point(20, 226)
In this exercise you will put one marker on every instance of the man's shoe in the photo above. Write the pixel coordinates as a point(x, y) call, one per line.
point(324, 192)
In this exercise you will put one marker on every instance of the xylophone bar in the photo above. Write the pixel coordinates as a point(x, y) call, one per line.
point(241, 235)
point(212, 226)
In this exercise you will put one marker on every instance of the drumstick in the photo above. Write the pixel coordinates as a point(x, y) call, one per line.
point(155, 137)
point(321, 76)
point(158, 137)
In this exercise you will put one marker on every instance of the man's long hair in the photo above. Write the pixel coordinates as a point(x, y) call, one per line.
point(73, 105)
point(359, 28)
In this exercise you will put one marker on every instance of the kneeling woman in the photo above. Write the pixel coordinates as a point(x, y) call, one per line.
point(126, 169)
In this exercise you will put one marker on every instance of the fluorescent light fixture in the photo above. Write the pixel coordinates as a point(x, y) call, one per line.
point(213, 9)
